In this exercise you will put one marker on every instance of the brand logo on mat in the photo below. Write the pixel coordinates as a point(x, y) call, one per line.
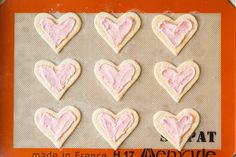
point(175, 153)
point(148, 153)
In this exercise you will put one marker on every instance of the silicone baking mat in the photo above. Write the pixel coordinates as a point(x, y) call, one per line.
point(146, 96)
point(212, 96)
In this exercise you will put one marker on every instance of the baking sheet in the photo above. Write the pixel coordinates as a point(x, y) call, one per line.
point(146, 96)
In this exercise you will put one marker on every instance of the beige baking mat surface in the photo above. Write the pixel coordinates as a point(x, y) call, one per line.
point(146, 96)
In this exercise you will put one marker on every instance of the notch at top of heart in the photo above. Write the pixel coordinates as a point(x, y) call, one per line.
point(57, 32)
point(117, 31)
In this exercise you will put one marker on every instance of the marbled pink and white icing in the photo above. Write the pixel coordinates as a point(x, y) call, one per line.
point(117, 31)
point(57, 79)
point(114, 78)
point(57, 126)
point(178, 80)
point(57, 32)
point(177, 128)
point(117, 127)
point(175, 33)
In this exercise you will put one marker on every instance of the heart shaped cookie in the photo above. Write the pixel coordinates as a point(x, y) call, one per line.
point(57, 32)
point(115, 128)
point(176, 129)
point(117, 31)
point(57, 126)
point(117, 79)
point(177, 81)
point(175, 34)
point(57, 79)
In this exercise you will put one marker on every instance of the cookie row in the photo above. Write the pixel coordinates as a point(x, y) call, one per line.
point(117, 79)
point(115, 128)
point(116, 31)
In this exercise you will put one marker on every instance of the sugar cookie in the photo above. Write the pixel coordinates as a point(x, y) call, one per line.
point(175, 33)
point(177, 81)
point(117, 31)
point(115, 128)
point(57, 32)
point(57, 126)
point(57, 79)
point(117, 79)
point(176, 129)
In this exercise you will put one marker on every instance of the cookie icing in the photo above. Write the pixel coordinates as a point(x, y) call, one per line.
point(177, 128)
point(116, 79)
point(175, 33)
point(176, 80)
point(57, 79)
point(117, 31)
point(57, 32)
point(57, 126)
point(115, 128)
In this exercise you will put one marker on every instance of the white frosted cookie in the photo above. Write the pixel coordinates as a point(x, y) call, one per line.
point(117, 31)
point(57, 126)
point(57, 78)
point(117, 79)
point(176, 129)
point(115, 128)
point(57, 32)
point(174, 34)
point(177, 80)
